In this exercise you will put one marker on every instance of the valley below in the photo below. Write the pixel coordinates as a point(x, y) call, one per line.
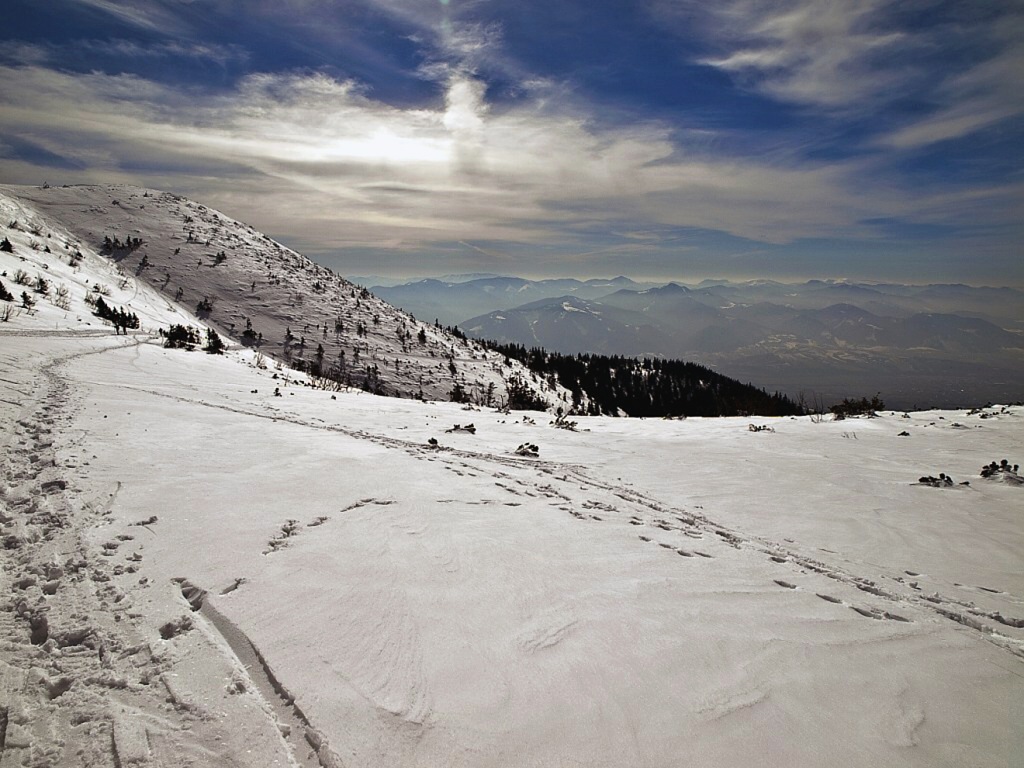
point(923, 346)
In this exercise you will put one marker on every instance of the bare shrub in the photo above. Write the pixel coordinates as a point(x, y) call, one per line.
point(62, 297)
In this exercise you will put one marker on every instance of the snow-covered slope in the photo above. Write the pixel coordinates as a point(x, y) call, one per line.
point(235, 278)
point(645, 593)
point(58, 270)
point(199, 572)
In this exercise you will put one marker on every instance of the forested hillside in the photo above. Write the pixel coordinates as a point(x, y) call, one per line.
point(602, 384)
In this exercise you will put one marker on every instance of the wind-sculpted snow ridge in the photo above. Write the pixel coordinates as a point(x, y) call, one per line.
point(266, 296)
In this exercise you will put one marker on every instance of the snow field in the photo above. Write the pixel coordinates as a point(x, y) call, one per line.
point(468, 607)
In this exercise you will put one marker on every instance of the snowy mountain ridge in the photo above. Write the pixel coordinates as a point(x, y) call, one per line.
point(174, 260)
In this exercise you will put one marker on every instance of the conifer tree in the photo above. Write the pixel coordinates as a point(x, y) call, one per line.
point(214, 343)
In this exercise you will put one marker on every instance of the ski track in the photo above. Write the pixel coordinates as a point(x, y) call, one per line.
point(82, 682)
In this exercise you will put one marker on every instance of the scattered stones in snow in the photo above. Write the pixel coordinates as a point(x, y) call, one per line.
point(983, 413)
point(432, 443)
point(528, 449)
point(1003, 472)
point(176, 627)
point(460, 428)
point(904, 433)
point(760, 428)
point(942, 481)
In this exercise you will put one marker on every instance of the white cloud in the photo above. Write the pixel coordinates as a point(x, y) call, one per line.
point(974, 99)
point(816, 52)
point(855, 57)
point(25, 53)
point(146, 14)
point(171, 49)
point(123, 49)
point(317, 158)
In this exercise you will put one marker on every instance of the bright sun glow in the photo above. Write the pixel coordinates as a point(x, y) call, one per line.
point(386, 147)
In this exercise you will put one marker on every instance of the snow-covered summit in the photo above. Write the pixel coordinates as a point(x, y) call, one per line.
point(173, 260)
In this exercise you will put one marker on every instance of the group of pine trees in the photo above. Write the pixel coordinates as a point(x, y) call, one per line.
point(602, 384)
point(857, 407)
point(120, 319)
point(187, 337)
point(180, 337)
point(113, 245)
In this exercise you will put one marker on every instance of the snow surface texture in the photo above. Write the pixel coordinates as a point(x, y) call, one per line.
point(199, 572)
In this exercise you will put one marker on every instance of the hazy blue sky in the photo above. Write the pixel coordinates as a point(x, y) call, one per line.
point(654, 138)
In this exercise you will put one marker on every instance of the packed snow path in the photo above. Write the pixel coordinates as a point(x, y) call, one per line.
point(84, 680)
point(644, 593)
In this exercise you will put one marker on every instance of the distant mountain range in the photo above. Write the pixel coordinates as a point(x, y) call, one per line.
point(378, 280)
point(942, 345)
point(452, 302)
point(930, 345)
point(155, 256)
